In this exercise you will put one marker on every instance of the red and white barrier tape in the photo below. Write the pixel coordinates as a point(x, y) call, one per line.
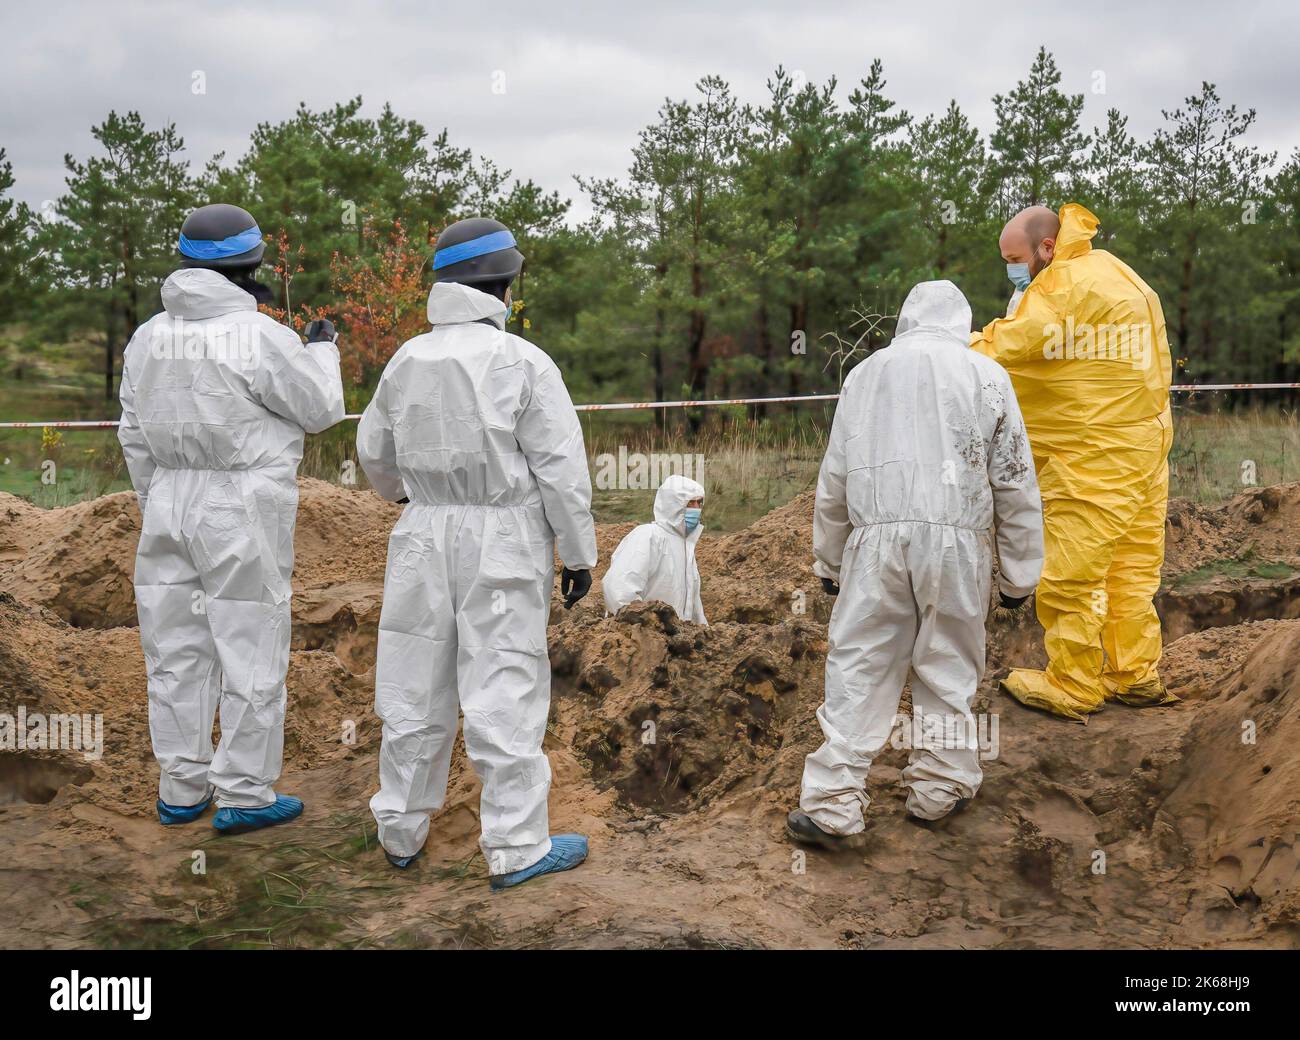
point(627, 406)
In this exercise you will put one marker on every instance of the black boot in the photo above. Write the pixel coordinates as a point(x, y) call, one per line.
point(800, 827)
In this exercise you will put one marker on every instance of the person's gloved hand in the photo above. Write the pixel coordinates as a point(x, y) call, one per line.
point(321, 331)
point(1010, 602)
point(831, 588)
point(574, 585)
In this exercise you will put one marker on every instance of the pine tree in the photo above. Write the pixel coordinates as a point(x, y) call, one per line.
point(1037, 142)
point(113, 236)
point(1203, 231)
point(1283, 255)
point(15, 247)
point(323, 177)
point(949, 167)
point(1112, 181)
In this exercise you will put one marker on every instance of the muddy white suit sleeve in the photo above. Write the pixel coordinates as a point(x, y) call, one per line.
point(1017, 505)
point(831, 523)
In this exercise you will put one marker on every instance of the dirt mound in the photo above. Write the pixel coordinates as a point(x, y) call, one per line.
point(764, 572)
point(48, 666)
point(1261, 523)
point(342, 534)
point(1233, 563)
point(78, 561)
point(1270, 518)
point(1236, 797)
point(673, 715)
point(678, 749)
point(1196, 666)
point(1194, 534)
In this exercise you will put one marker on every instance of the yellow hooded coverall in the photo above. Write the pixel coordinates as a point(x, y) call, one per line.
point(1089, 358)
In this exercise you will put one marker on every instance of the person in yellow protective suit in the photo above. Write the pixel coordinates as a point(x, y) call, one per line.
point(1088, 356)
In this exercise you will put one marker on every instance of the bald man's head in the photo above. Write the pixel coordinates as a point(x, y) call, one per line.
point(1030, 238)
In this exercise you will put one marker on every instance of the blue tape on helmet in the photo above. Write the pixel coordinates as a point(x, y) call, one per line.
point(492, 243)
point(204, 249)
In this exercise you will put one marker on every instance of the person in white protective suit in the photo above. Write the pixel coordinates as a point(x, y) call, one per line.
point(215, 399)
point(476, 428)
point(657, 561)
point(927, 456)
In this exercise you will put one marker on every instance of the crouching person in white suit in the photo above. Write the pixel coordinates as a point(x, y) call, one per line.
point(657, 561)
point(928, 455)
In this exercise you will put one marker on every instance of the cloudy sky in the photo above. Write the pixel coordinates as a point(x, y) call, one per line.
point(581, 79)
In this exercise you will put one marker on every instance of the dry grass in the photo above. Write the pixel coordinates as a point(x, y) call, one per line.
point(1217, 454)
point(750, 467)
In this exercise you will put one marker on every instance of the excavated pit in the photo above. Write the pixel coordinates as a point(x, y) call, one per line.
point(1227, 602)
point(30, 779)
point(678, 749)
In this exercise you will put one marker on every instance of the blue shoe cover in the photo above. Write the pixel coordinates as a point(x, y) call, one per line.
point(170, 814)
point(567, 851)
point(402, 862)
point(237, 821)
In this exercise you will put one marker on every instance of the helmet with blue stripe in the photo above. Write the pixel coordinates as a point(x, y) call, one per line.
point(221, 237)
point(478, 251)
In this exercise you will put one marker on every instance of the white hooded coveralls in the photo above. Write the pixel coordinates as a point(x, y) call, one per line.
point(215, 398)
point(927, 454)
point(657, 561)
point(476, 427)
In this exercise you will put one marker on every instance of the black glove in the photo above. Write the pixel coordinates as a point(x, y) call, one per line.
point(574, 585)
point(1010, 602)
point(831, 588)
point(321, 331)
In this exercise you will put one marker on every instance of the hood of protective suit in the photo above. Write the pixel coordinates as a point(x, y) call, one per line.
point(1087, 347)
point(937, 307)
point(1078, 226)
point(451, 303)
point(671, 499)
point(195, 293)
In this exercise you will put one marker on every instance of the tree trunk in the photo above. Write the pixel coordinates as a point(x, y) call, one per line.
point(759, 411)
point(1185, 295)
point(698, 366)
point(110, 351)
point(131, 310)
point(661, 414)
point(798, 323)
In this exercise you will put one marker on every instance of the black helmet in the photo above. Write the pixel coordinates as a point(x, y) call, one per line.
point(477, 251)
point(221, 237)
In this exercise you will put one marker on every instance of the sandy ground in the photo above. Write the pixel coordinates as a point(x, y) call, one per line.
point(1161, 827)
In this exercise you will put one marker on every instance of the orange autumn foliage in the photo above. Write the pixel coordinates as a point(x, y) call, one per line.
point(287, 262)
point(383, 301)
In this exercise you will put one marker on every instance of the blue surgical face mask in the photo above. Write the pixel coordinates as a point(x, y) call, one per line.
point(692, 519)
point(1019, 275)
